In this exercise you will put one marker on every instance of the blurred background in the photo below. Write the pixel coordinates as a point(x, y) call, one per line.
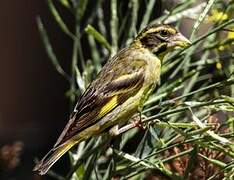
point(33, 108)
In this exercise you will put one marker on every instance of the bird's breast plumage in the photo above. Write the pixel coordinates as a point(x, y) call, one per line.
point(151, 77)
point(119, 91)
point(152, 74)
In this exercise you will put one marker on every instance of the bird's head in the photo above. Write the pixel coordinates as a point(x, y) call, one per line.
point(161, 39)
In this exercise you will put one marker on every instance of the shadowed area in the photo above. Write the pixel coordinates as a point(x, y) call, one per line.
point(33, 108)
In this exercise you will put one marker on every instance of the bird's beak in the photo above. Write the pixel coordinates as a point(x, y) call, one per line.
point(179, 41)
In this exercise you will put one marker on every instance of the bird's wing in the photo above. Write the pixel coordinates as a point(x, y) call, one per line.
point(118, 80)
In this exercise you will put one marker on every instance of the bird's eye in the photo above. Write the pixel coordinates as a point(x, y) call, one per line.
point(164, 33)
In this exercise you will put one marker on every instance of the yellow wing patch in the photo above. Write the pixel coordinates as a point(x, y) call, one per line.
point(109, 106)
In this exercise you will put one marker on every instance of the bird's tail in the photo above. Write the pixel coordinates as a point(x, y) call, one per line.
point(52, 156)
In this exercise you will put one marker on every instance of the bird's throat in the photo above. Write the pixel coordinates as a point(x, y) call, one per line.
point(160, 50)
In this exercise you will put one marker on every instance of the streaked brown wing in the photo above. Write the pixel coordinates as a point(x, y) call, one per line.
point(113, 86)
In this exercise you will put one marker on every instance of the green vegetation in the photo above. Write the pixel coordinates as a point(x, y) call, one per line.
point(189, 119)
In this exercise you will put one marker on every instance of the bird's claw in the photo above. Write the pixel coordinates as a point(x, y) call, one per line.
point(137, 122)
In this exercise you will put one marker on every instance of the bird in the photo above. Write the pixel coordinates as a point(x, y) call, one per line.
point(119, 90)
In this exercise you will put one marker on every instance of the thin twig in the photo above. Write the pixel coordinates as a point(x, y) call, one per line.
point(114, 27)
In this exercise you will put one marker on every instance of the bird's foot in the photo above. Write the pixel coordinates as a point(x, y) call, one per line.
point(137, 121)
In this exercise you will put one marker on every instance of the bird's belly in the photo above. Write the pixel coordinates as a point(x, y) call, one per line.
point(126, 110)
point(133, 104)
point(121, 113)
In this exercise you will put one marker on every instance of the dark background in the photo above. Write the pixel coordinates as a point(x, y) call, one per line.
point(33, 108)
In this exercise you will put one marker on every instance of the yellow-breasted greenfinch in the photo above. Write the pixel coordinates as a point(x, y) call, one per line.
point(119, 91)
